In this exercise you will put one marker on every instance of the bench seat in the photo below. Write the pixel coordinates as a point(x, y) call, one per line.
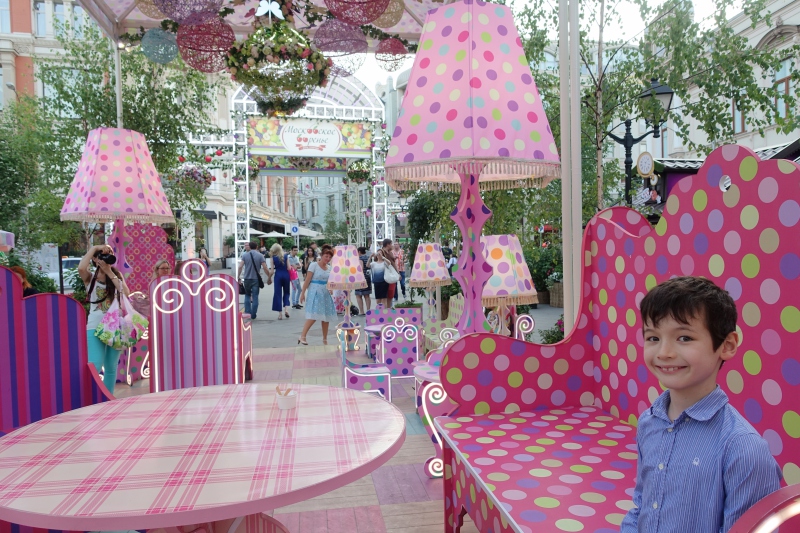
point(531, 461)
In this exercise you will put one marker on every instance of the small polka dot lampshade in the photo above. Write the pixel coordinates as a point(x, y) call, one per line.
point(511, 281)
point(116, 180)
point(346, 272)
point(471, 106)
point(430, 269)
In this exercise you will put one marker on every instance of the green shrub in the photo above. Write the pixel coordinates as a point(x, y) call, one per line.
point(36, 277)
point(554, 334)
point(406, 304)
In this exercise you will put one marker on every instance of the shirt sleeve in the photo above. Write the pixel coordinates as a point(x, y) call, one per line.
point(312, 268)
point(630, 524)
point(750, 474)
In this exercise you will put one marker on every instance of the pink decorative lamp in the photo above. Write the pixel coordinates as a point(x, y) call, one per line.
point(117, 181)
point(471, 120)
point(347, 275)
point(429, 271)
point(511, 282)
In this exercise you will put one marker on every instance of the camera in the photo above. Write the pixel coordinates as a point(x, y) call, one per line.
point(109, 259)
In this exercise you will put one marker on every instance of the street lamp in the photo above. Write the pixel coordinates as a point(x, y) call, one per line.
point(663, 95)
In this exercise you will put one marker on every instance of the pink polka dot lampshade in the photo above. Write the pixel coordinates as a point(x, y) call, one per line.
point(429, 269)
point(471, 106)
point(346, 272)
point(116, 180)
point(511, 281)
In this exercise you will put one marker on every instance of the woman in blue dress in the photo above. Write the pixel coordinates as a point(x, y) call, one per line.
point(320, 303)
point(280, 270)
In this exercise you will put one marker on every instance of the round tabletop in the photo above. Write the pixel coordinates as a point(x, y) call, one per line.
point(427, 372)
point(375, 328)
point(191, 455)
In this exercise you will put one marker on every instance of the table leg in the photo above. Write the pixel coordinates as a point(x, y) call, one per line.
point(432, 401)
point(353, 335)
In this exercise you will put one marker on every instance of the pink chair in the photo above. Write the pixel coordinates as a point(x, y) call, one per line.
point(247, 346)
point(196, 330)
point(382, 316)
point(399, 348)
point(373, 378)
point(44, 364)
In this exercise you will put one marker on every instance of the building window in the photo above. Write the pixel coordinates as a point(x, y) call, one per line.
point(280, 204)
point(303, 210)
point(783, 77)
point(58, 17)
point(5, 16)
point(331, 203)
point(314, 208)
point(40, 18)
point(738, 119)
point(664, 142)
point(344, 203)
point(77, 21)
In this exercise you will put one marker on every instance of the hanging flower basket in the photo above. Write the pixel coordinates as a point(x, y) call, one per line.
point(191, 175)
point(359, 171)
point(282, 64)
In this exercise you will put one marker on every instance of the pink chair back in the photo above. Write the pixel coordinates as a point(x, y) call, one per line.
point(399, 348)
point(195, 330)
point(734, 223)
point(44, 366)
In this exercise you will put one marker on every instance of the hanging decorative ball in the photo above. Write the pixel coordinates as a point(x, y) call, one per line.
point(357, 12)
point(392, 15)
point(344, 43)
point(149, 9)
point(205, 47)
point(189, 12)
point(391, 54)
point(159, 46)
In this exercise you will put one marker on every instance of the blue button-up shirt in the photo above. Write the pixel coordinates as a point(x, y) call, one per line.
point(700, 473)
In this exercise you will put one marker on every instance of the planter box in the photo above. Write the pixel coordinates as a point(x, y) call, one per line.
point(557, 295)
point(544, 297)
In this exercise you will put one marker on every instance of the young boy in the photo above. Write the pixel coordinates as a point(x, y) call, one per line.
point(701, 464)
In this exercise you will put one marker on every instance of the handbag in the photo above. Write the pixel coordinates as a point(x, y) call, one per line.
point(241, 288)
point(122, 326)
point(390, 275)
point(258, 274)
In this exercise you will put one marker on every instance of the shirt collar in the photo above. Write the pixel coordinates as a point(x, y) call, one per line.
point(702, 411)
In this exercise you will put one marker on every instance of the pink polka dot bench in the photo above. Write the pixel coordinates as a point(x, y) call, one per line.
point(544, 436)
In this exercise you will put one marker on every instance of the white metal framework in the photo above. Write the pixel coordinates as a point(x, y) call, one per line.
point(355, 231)
point(381, 228)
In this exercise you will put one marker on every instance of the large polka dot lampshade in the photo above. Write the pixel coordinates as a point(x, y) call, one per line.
point(116, 180)
point(430, 269)
point(471, 106)
point(346, 272)
point(511, 282)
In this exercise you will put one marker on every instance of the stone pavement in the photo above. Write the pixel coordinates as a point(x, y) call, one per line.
point(397, 497)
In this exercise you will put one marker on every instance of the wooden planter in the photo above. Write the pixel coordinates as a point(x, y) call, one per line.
point(557, 295)
point(544, 297)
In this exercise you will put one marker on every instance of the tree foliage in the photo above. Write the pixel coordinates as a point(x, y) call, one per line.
point(335, 228)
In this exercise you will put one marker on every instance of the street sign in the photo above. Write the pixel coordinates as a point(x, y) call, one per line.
point(295, 230)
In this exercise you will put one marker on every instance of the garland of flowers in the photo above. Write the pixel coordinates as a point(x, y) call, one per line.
point(358, 172)
point(279, 62)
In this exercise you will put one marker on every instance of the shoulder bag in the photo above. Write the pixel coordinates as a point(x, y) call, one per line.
point(258, 274)
point(390, 274)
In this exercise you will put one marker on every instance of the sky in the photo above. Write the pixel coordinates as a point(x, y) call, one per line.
point(630, 25)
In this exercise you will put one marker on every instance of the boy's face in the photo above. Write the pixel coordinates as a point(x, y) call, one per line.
point(683, 358)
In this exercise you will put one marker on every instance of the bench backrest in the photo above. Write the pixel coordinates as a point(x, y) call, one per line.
point(44, 366)
point(399, 348)
point(195, 336)
point(743, 238)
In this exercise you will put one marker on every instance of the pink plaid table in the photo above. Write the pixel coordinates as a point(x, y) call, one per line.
point(191, 455)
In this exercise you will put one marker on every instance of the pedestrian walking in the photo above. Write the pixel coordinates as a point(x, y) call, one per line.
point(252, 263)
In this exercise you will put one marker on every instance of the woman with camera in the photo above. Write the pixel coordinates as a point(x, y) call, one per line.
point(101, 289)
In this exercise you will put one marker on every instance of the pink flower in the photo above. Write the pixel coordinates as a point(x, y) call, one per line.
point(310, 66)
point(305, 54)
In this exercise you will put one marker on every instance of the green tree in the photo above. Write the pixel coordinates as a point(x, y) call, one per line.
point(335, 229)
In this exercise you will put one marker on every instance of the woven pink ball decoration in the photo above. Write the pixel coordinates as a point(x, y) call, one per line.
point(149, 9)
point(357, 12)
point(189, 12)
point(344, 43)
point(205, 47)
point(391, 54)
point(392, 15)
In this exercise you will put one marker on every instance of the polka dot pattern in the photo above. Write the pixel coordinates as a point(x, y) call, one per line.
point(116, 179)
point(488, 109)
point(346, 272)
point(554, 470)
point(742, 240)
point(429, 269)
point(511, 279)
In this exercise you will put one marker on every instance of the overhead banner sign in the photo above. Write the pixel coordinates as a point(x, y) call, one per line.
point(309, 137)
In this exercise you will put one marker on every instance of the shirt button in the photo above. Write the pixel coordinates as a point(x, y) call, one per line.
point(655, 505)
point(669, 430)
point(661, 466)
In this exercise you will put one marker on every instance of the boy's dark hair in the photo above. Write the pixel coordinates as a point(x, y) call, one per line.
point(294, 248)
point(362, 250)
point(688, 297)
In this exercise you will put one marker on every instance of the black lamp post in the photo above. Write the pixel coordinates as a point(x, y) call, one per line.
point(663, 94)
